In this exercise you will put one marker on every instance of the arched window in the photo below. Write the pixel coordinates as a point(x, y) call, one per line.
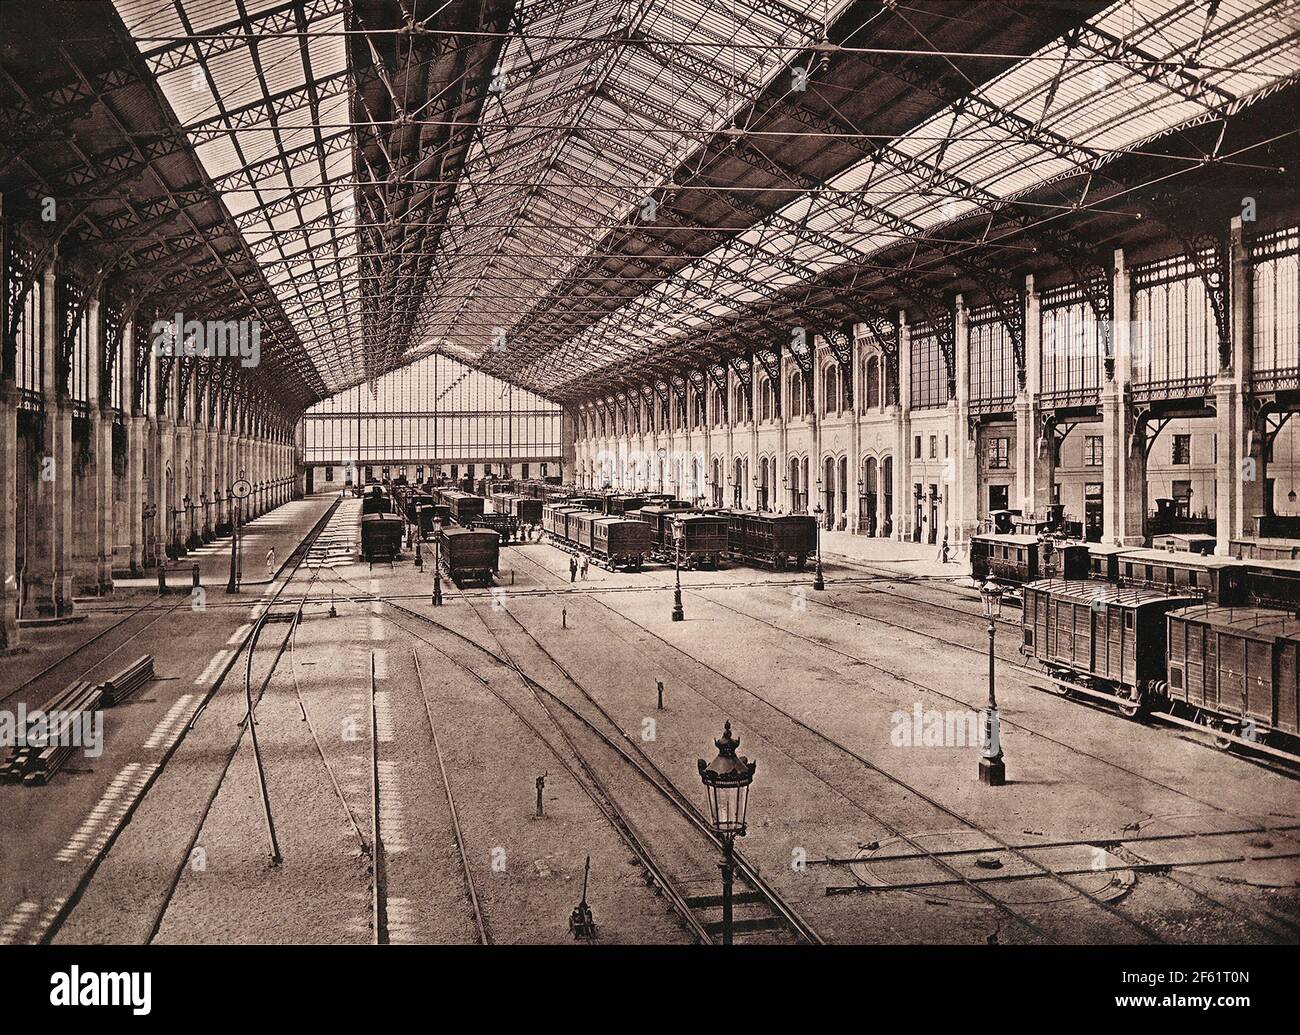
point(738, 483)
point(873, 383)
point(831, 392)
point(762, 484)
point(796, 502)
point(796, 394)
point(717, 482)
point(765, 391)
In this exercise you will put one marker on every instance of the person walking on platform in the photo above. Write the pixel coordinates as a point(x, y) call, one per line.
point(270, 562)
point(583, 569)
point(573, 569)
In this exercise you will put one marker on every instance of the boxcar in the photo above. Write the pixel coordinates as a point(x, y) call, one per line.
point(1221, 580)
point(1016, 559)
point(469, 554)
point(1100, 638)
point(464, 506)
point(619, 542)
point(381, 536)
point(1236, 669)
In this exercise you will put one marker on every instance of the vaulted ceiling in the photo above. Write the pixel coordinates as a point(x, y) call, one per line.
point(572, 194)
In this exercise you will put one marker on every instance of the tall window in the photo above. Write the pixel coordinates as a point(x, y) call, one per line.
point(796, 394)
point(1094, 451)
point(872, 379)
point(999, 453)
point(765, 392)
point(831, 381)
point(929, 371)
point(1182, 453)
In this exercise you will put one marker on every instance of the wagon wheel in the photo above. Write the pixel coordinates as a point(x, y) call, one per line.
point(1132, 702)
point(1056, 683)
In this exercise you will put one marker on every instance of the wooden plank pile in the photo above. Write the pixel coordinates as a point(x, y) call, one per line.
point(121, 686)
point(51, 733)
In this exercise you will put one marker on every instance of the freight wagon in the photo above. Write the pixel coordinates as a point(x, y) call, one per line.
point(1237, 671)
point(1098, 638)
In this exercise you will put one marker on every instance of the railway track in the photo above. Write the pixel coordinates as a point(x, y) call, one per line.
point(1269, 931)
point(245, 649)
point(610, 773)
point(78, 662)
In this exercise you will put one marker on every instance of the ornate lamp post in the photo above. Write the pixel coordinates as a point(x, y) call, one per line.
point(818, 582)
point(992, 769)
point(726, 786)
point(437, 562)
point(678, 535)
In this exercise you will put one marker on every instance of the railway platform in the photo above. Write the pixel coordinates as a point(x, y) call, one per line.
point(56, 833)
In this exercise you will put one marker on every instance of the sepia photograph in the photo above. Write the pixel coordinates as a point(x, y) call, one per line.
point(488, 480)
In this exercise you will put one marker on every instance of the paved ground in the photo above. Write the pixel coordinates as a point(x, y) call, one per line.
point(852, 701)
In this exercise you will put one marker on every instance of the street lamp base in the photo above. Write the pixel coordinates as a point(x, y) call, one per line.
point(819, 583)
point(678, 614)
point(993, 771)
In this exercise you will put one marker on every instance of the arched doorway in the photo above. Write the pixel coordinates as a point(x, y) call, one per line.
point(828, 491)
point(887, 488)
point(870, 476)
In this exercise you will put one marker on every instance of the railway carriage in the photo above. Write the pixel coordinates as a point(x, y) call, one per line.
point(578, 528)
point(376, 501)
point(469, 554)
point(619, 542)
point(526, 510)
point(621, 503)
point(1221, 580)
point(704, 536)
point(1104, 560)
point(771, 540)
point(553, 515)
point(1272, 583)
point(503, 525)
point(381, 536)
point(1102, 639)
point(1184, 542)
point(1266, 549)
point(1017, 559)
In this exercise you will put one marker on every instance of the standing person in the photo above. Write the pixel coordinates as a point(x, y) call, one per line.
point(585, 563)
point(573, 568)
point(270, 562)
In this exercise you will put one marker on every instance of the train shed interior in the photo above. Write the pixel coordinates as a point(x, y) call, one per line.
point(541, 472)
